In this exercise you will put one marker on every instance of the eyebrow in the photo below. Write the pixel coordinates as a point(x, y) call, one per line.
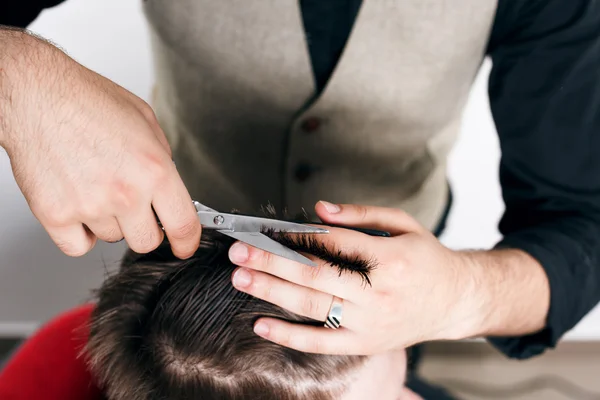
point(352, 263)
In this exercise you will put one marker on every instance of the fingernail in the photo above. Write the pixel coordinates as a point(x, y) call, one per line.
point(242, 278)
point(331, 208)
point(238, 252)
point(261, 329)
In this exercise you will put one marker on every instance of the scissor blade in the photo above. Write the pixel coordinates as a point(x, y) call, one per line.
point(265, 243)
point(201, 207)
point(244, 223)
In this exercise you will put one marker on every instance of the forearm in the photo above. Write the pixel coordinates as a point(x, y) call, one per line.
point(14, 43)
point(25, 60)
point(510, 292)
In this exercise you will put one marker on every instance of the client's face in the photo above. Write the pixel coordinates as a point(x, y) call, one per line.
point(381, 378)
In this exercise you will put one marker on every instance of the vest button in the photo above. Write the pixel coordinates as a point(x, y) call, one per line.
point(302, 172)
point(311, 124)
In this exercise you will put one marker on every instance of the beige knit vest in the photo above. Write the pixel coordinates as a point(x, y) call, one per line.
point(235, 88)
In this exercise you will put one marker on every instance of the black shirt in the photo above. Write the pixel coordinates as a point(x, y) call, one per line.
point(544, 93)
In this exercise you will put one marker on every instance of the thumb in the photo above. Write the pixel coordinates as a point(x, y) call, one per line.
point(391, 220)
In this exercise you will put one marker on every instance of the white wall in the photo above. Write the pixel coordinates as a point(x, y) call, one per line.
point(110, 37)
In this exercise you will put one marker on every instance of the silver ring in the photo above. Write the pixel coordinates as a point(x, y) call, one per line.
point(334, 317)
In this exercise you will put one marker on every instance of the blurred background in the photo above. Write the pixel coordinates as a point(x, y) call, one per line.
point(37, 281)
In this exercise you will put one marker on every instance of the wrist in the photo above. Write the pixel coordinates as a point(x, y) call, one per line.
point(507, 293)
point(472, 301)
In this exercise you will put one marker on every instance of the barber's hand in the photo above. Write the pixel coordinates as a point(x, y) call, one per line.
point(420, 290)
point(89, 156)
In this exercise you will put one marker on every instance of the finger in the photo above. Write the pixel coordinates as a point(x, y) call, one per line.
point(73, 240)
point(324, 277)
point(107, 230)
point(310, 339)
point(141, 230)
point(174, 208)
point(391, 220)
point(300, 300)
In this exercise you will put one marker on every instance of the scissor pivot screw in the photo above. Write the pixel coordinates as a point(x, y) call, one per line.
point(219, 220)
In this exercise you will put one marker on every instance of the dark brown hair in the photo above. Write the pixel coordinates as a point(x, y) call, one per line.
point(170, 329)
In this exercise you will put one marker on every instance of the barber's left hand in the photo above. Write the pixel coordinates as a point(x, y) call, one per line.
point(420, 290)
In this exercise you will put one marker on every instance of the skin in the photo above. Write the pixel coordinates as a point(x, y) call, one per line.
point(89, 156)
point(421, 291)
point(382, 378)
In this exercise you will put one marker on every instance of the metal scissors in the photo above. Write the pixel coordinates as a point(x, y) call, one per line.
point(249, 230)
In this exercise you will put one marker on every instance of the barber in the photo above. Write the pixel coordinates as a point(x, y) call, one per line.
point(275, 101)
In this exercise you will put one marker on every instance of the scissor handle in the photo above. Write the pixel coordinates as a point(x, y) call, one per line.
point(370, 232)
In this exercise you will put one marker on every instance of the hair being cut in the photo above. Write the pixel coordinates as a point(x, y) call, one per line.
point(165, 328)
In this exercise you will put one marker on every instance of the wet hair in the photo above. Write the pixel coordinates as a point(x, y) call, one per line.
point(165, 328)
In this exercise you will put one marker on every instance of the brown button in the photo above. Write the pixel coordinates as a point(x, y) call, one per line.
point(303, 172)
point(311, 124)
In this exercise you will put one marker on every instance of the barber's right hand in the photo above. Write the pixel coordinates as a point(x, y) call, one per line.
point(89, 156)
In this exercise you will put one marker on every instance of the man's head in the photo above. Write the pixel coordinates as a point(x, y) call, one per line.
point(171, 329)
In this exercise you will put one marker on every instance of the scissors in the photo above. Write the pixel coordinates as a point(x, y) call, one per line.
point(249, 230)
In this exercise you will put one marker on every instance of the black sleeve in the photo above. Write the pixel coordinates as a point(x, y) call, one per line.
point(21, 13)
point(545, 97)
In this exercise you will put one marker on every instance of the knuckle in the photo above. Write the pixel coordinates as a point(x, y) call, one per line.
point(310, 274)
point(362, 212)
point(115, 233)
point(314, 345)
point(56, 219)
point(310, 307)
point(148, 112)
point(186, 229)
point(124, 195)
point(112, 234)
point(146, 243)
point(400, 265)
point(386, 302)
point(143, 238)
point(263, 260)
point(267, 293)
point(90, 210)
point(55, 216)
point(158, 169)
point(267, 259)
